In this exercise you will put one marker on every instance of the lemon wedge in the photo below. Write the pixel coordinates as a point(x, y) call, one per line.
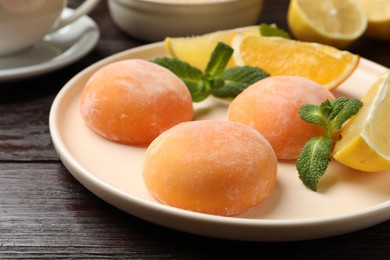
point(365, 143)
point(196, 50)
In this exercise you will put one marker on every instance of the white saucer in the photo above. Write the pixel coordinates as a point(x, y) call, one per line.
point(53, 52)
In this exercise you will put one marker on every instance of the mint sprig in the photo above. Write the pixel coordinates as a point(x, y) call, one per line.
point(216, 80)
point(315, 155)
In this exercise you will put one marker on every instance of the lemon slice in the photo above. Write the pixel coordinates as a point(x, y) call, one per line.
point(196, 50)
point(365, 143)
point(332, 22)
point(378, 15)
point(323, 64)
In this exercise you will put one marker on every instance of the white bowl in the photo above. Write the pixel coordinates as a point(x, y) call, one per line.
point(153, 20)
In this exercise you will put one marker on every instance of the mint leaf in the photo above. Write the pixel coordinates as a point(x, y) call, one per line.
point(313, 160)
point(191, 76)
point(273, 30)
point(337, 106)
point(182, 69)
point(315, 155)
point(219, 59)
point(344, 110)
point(237, 79)
point(311, 114)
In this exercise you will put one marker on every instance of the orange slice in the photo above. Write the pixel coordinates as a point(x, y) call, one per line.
point(323, 64)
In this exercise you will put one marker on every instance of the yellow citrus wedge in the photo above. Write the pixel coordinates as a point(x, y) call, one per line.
point(365, 143)
point(196, 50)
point(323, 64)
point(378, 15)
point(333, 22)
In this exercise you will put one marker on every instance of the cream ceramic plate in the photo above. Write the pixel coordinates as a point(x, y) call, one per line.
point(346, 200)
point(55, 51)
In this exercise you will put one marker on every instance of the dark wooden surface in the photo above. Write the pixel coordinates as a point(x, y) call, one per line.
point(45, 213)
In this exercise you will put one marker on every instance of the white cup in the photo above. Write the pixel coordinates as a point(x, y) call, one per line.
point(25, 22)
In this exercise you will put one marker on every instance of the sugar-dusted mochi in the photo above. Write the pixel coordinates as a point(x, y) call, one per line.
point(271, 106)
point(210, 166)
point(133, 101)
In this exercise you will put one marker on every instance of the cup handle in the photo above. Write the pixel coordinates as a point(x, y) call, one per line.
point(83, 9)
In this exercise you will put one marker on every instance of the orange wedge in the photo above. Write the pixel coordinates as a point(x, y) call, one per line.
point(323, 64)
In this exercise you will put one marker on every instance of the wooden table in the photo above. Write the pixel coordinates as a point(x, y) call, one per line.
point(45, 213)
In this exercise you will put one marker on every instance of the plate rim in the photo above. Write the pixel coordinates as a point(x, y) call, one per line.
point(377, 213)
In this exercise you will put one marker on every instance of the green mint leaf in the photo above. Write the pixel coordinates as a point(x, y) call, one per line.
point(311, 114)
point(313, 160)
point(219, 59)
point(337, 105)
point(180, 68)
point(343, 109)
point(183, 70)
point(273, 30)
point(237, 79)
point(191, 76)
